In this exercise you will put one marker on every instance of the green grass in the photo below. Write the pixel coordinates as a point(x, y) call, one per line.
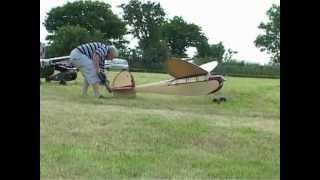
point(161, 136)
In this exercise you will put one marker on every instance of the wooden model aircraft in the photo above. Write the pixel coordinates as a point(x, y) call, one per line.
point(188, 80)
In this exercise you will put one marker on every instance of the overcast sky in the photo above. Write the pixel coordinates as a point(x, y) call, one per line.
point(234, 22)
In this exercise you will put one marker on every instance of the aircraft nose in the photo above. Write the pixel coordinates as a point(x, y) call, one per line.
point(217, 77)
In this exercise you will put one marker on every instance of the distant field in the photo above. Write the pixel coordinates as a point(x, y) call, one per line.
point(161, 136)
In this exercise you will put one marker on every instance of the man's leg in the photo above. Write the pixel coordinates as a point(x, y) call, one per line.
point(96, 89)
point(90, 76)
point(85, 87)
point(78, 61)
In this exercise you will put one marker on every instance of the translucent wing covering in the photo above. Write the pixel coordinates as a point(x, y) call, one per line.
point(209, 66)
point(183, 69)
point(123, 80)
point(197, 88)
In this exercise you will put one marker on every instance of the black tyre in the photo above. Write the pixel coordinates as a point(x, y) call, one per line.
point(62, 82)
point(223, 99)
point(48, 79)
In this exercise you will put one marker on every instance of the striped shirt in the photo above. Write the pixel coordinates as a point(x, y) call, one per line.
point(95, 47)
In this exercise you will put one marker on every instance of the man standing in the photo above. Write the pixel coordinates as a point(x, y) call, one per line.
point(89, 58)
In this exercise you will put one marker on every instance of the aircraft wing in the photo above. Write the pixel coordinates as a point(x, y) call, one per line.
point(182, 69)
point(56, 59)
point(209, 66)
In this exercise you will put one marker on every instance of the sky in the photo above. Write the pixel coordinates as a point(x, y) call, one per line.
point(233, 22)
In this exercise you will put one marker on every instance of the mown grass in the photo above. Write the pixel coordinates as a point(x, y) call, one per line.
point(161, 136)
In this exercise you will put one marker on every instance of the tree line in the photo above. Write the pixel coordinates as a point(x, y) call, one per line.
point(159, 37)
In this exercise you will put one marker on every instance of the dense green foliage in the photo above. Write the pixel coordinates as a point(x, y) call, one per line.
point(68, 37)
point(146, 20)
point(179, 35)
point(270, 40)
point(91, 15)
point(248, 70)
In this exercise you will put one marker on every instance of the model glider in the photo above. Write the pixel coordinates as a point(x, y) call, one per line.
point(188, 80)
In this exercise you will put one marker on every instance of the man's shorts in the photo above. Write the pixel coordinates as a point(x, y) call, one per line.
point(85, 65)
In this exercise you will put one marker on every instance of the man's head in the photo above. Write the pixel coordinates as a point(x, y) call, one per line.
point(112, 53)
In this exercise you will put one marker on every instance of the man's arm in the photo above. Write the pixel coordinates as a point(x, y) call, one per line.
point(96, 60)
point(104, 81)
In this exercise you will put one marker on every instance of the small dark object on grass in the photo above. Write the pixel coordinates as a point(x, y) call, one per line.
point(62, 82)
point(101, 97)
point(219, 100)
point(104, 97)
point(223, 99)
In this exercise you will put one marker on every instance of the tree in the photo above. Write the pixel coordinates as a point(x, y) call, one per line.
point(179, 35)
point(68, 37)
point(270, 40)
point(146, 20)
point(203, 47)
point(209, 52)
point(155, 55)
point(135, 58)
point(217, 51)
point(42, 50)
point(91, 15)
point(228, 56)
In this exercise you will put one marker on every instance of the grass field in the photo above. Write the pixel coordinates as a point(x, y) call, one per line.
point(161, 136)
